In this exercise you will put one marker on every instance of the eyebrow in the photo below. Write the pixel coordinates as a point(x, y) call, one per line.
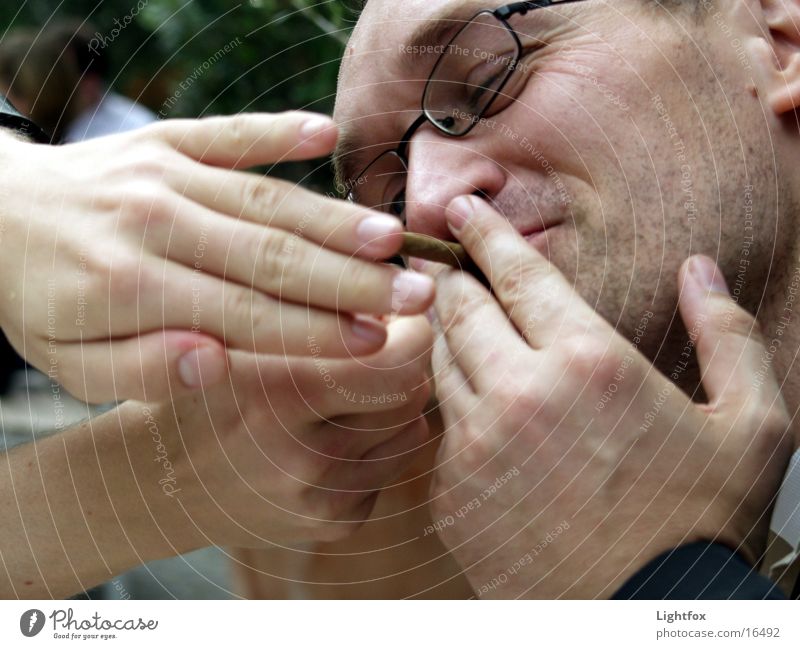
point(344, 162)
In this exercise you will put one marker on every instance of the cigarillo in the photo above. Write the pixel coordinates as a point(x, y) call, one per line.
point(423, 246)
point(432, 249)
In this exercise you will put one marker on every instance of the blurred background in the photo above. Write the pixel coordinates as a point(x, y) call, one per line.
point(85, 68)
point(191, 58)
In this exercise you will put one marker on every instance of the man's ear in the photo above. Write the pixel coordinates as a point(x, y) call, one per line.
point(779, 55)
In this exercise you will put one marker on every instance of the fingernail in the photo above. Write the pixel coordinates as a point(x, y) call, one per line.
point(368, 330)
point(458, 212)
point(706, 273)
point(410, 290)
point(314, 126)
point(418, 264)
point(375, 227)
point(201, 366)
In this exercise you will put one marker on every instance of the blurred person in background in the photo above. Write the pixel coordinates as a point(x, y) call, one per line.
point(59, 77)
point(61, 81)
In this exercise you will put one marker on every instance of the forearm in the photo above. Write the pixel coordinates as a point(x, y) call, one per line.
point(83, 506)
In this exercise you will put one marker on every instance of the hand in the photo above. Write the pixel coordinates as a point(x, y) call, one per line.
point(545, 487)
point(294, 450)
point(126, 261)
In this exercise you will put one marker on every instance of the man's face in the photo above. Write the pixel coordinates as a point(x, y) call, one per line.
point(635, 141)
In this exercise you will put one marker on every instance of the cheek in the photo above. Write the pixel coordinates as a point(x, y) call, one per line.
point(576, 119)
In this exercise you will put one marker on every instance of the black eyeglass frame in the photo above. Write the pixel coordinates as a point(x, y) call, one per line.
point(502, 14)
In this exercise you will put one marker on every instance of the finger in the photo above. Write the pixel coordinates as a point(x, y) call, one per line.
point(729, 346)
point(454, 394)
point(381, 464)
point(284, 265)
point(479, 336)
point(249, 139)
point(336, 224)
point(535, 295)
point(333, 387)
point(155, 366)
point(251, 321)
point(353, 436)
point(385, 463)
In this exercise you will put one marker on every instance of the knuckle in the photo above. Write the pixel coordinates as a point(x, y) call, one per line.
point(590, 359)
point(238, 305)
point(271, 256)
point(236, 130)
point(764, 423)
point(149, 162)
point(770, 419)
point(477, 445)
point(463, 314)
point(125, 276)
point(520, 405)
point(263, 194)
point(98, 271)
point(142, 159)
point(522, 278)
point(143, 202)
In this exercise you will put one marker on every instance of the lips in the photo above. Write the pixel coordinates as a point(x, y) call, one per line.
point(530, 226)
point(532, 232)
point(538, 237)
point(531, 229)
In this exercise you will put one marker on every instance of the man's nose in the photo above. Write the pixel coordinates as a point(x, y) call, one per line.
point(441, 168)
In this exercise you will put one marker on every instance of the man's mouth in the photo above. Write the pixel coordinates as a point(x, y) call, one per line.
point(537, 235)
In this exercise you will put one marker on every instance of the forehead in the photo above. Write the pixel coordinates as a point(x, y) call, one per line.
point(374, 50)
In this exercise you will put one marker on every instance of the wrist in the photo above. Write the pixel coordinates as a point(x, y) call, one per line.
point(159, 486)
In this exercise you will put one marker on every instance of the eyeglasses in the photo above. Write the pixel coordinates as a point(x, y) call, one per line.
point(471, 78)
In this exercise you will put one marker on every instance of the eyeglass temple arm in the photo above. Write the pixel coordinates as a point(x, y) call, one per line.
point(524, 7)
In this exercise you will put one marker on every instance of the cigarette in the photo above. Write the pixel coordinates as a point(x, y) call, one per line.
point(433, 249)
point(444, 252)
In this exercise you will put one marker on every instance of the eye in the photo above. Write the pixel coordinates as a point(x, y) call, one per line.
point(481, 82)
point(478, 91)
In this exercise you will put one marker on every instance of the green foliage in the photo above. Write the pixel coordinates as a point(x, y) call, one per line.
point(171, 54)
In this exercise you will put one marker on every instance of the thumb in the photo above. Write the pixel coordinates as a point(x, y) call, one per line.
point(728, 341)
point(151, 367)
